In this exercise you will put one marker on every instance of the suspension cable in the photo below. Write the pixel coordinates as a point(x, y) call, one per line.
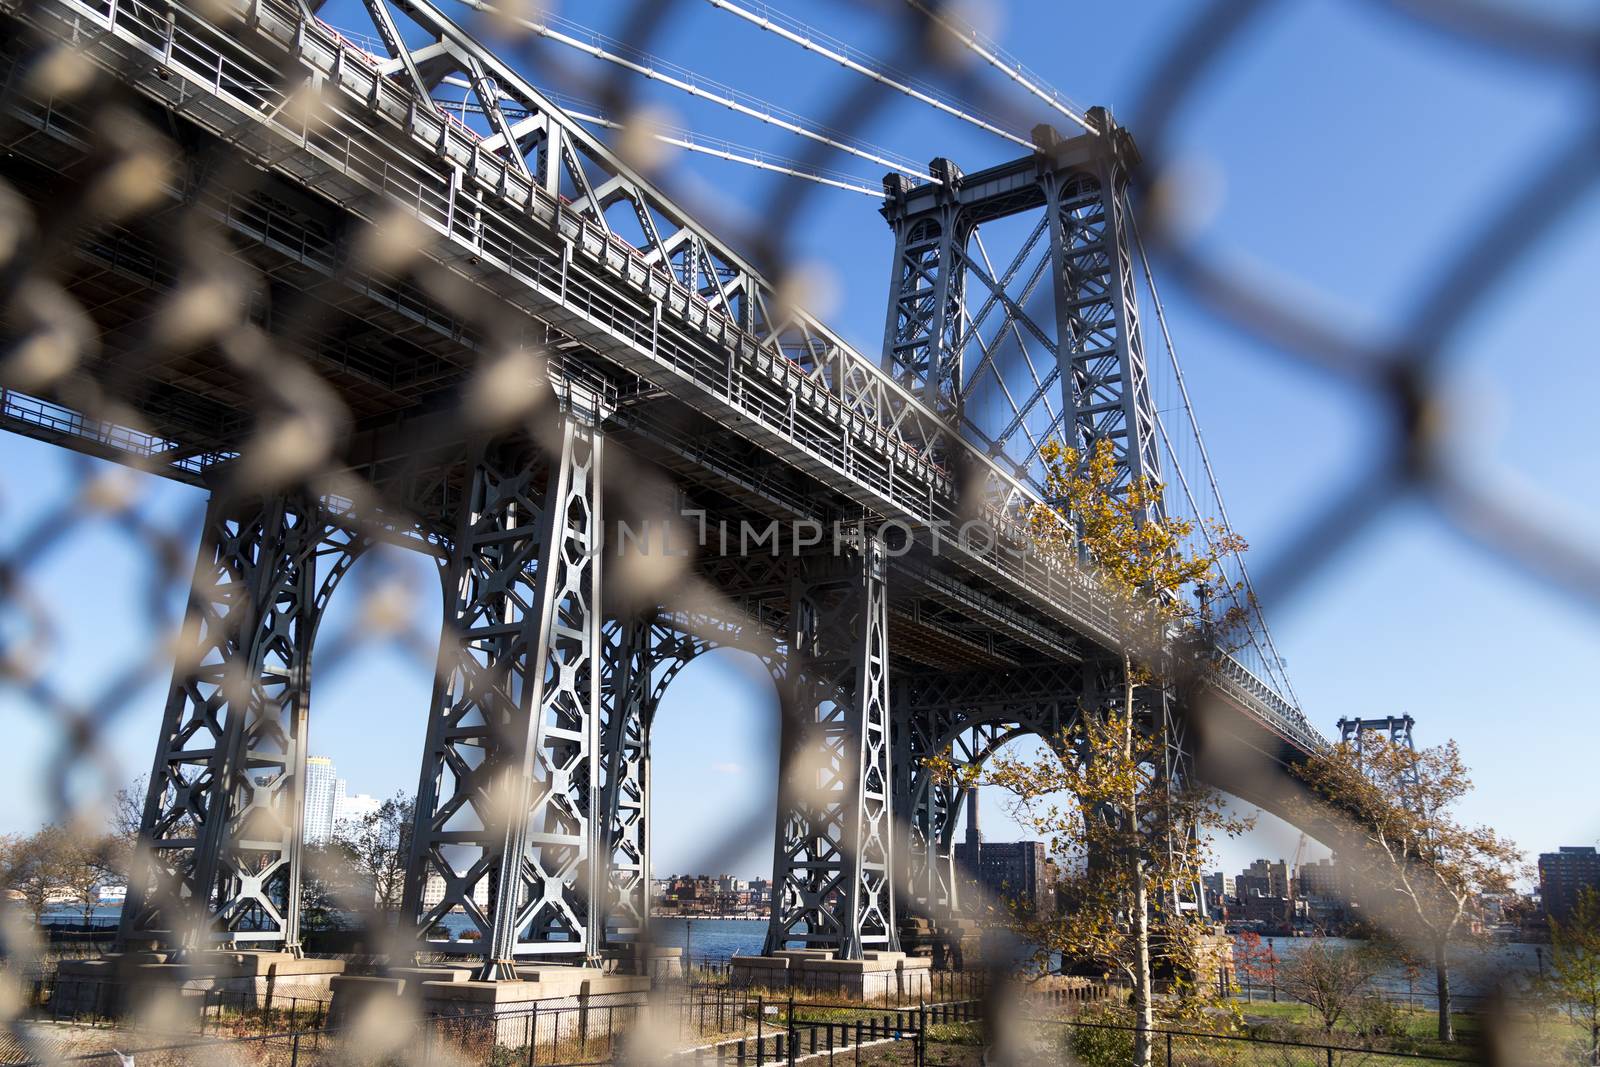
point(811, 40)
point(689, 140)
point(1006, 64)
point(1205, 457)
point(601, 47)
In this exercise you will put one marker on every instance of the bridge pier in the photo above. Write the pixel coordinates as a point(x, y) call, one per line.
point(833, 885)
point(221, 832)
point(507, 799)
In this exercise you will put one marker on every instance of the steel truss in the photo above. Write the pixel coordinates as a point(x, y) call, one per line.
point(833, 852)
point(507, 798)
point(221, 833)
point(675, 305)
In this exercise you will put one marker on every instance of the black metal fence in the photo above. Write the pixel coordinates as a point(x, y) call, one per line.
point(714, 1026)
point(754, 1031)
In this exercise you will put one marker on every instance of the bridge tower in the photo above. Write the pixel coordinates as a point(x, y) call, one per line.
point(1397, 728)
point(1013, 313)
point(1041, 342)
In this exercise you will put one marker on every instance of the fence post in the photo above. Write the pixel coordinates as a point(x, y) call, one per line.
point(1169, 1048)
point(1330, 1057)
point(761, 1020)
point(533, 1032)
point(294, 1051)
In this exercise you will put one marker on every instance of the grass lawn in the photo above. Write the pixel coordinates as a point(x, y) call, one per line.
point(1416, 1028)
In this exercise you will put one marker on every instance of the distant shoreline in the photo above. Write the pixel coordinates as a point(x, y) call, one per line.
point(701, 915)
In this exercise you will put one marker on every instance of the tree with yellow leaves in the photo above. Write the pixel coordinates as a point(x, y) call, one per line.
point(1137, 839)
point(1418, 870)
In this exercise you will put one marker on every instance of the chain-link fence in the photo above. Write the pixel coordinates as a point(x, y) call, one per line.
point(174, 298)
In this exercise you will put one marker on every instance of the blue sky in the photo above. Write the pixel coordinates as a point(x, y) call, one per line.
point(1350, 154)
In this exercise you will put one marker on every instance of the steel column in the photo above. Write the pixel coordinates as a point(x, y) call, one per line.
point(628, 707)
point(927, 296)
point(220, 835)
point(508, 793)
point(1100, 349)
point(833, 853)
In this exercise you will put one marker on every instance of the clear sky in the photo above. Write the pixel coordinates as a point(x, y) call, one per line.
point(1349, 153)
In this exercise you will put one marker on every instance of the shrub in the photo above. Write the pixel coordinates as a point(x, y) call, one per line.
point(1380, 1018)
point(1103, 1043)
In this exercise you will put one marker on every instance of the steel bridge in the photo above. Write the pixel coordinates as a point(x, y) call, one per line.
point(675, 380)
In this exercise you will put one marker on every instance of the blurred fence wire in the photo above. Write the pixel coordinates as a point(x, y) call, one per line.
point(117, 189)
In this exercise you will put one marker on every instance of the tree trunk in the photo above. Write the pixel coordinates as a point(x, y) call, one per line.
point(1143, 991)
point(1441, 976)
point(1143, 1001)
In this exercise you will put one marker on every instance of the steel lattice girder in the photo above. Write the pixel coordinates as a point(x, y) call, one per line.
point(507, 797)
point(834, 846)
point(221, 833)
point(964, 716)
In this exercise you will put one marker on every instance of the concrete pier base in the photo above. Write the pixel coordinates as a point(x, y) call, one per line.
point(876, 976)
point(548, 1005)
point(142, 983)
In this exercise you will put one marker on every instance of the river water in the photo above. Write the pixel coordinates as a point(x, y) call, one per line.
point(1474, 970)
point(712, 939)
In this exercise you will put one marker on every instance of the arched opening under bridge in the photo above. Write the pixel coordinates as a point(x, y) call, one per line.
point(713, 800)
point(373, 659)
